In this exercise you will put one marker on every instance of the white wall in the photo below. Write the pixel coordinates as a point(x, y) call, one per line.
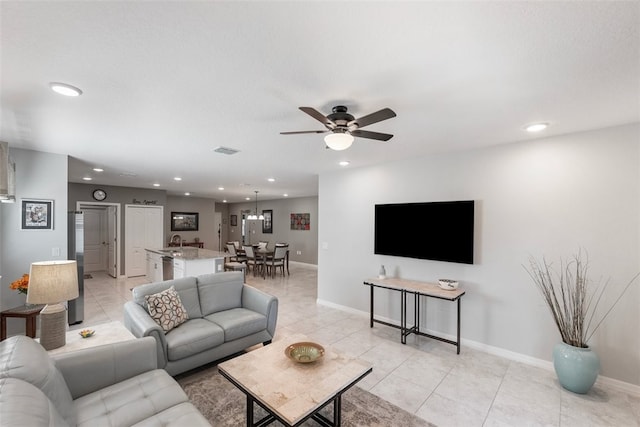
point(548, 197)
point(38, 176)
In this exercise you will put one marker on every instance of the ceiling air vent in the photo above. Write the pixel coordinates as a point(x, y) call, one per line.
point(225, 150)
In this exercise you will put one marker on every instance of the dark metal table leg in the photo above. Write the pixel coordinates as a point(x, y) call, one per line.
point(249, 411)
point(416, 313)
point(458, 338)
point(403, 316)
point(371, 307)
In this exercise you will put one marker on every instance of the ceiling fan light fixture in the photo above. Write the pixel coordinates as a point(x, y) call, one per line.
point(339, 141)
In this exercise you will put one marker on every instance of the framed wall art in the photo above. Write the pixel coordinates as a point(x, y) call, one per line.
point(184, 221)
point(267, 224)
point(300, 221)
point(36, 214)
point(234, 220)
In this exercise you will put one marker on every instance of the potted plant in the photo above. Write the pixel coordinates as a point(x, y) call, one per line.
point(573, 301)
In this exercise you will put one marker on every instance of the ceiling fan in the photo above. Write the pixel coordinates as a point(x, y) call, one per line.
point(343, 126)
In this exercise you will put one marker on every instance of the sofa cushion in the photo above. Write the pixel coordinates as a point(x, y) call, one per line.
point(182, 415)
point(166, 309)
point(238, 322)
point(220, 291)
point(22, 404)
point(193, 337)
point(25, 359)
point(131, 401)
point(185, 287)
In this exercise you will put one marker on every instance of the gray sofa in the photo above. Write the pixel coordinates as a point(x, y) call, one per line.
point(225, 316)
point(111, 385)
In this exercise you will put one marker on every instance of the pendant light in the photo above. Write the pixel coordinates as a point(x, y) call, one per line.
point(255, 216)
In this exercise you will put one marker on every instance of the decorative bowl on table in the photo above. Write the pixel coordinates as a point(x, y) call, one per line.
point(448, 284)
point(304, 352)
point(86, 333)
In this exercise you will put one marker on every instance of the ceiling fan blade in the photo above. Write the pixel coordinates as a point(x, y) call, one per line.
point(371, 135)
point(303, 131)
point(318, 116)
point(378, 116)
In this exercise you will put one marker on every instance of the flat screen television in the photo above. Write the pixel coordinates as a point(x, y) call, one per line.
point(440, 231)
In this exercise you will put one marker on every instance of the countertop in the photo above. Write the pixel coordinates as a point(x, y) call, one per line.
point(188, 253)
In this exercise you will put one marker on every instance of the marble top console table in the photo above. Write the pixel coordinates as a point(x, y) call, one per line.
point(416, 289)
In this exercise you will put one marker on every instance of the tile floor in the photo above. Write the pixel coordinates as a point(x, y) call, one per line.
point(425, 377)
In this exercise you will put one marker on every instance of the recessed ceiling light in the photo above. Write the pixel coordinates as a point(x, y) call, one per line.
point(98, 169)
point(344, 163)
point(224, 201)
point(177, 178)
point(285, 195)
point(65, 89)
point(220, 188)
point(87, 178)
point(247, 198)
point(187, 194)
point(271, 179)
point(156, 185)
point(536, 127)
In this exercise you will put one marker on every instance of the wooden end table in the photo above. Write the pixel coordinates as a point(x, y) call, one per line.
point(29, 312)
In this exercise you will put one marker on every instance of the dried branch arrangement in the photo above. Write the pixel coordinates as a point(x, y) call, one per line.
point(571, 297)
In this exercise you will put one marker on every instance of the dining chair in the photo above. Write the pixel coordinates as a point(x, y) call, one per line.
point(233, 254)
point(262, 245)
point(252, 261)
point(277, 260)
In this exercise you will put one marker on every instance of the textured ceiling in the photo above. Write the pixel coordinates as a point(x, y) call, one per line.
point(166, 82)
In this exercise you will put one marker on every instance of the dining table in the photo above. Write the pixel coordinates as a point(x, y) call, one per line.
point(264, 254)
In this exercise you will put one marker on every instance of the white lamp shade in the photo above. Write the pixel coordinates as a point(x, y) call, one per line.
point(52, 282)
point(338, 141)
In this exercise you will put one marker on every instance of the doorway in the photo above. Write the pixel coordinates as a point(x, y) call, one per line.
point(102, 236)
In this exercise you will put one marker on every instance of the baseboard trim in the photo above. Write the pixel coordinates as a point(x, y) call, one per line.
point(497, 351)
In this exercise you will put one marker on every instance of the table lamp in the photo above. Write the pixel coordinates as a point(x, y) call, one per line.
point(52, 283)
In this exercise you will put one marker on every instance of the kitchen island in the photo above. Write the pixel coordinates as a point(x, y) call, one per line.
point(175, 262)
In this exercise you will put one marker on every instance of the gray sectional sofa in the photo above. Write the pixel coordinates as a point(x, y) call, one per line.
point(226, 316)
point(116, 385)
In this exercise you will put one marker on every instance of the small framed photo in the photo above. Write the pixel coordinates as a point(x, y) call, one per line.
point(36, 214)
point(184, 221)
point(267, 224)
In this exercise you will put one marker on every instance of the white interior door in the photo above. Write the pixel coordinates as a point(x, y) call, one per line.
point(143, 229)
point(94, 239)
point(112, 241)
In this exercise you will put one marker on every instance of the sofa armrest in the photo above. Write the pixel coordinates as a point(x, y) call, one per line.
point(91, 369)
point(138, 321)
point(263, 303)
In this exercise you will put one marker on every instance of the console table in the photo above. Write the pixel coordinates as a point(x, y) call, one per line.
point(416, 289)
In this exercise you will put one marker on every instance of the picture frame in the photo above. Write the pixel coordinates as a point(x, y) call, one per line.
point(184, 221)
point(267, 223)
point(234, 220)
point(300, 221)
point(37, 214)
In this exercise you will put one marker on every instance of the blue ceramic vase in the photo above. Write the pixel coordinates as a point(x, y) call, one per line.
point(577, 368)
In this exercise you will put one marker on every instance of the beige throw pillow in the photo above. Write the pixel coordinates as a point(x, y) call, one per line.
point(166, 309)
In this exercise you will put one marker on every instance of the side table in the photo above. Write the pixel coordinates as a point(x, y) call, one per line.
point(27, 311)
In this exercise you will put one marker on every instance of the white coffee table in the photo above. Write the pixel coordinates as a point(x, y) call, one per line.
point(293, 392)
point(106, 333)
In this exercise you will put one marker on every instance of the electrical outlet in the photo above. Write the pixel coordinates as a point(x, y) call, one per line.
point(298, 252)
